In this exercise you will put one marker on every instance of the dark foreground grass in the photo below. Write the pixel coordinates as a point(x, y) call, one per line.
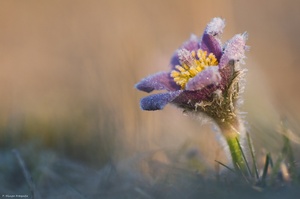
point(145, 176)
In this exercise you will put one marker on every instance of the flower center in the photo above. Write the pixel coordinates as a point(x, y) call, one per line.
point(192, 63)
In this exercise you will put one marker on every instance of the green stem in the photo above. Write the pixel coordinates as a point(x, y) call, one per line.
point(231, 132)
point(236, 153)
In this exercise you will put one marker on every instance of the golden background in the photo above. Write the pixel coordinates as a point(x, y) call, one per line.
point(68, 69)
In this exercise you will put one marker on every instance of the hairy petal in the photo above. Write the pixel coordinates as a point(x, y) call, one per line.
point(210, 39)
point(158, 101)
point(185, 57)
point(190, 45)
point(206, 77)
point(190, 99)
point(227, 73)
point(234, 49)
point(158, 81)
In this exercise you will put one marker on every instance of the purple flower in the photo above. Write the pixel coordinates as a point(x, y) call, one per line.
point(202, 70)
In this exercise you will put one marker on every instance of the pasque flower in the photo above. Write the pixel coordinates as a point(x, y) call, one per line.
point(204, 77)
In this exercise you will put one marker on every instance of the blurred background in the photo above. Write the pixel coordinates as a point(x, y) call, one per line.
point(68, 69)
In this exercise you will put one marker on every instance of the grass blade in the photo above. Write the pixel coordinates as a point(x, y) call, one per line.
point(265, 172)
point(288, 152)
point(28, 178)
point(227, 167)
point(275, 169)
point(244, 157)
point(252, 156)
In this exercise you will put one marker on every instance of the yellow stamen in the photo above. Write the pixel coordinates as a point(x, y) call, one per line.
point(197, 62)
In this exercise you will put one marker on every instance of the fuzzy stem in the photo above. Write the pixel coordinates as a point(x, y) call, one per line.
point(231, 132)
point(236, 154)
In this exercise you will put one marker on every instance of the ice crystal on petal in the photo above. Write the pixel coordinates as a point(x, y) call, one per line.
point(216, 26)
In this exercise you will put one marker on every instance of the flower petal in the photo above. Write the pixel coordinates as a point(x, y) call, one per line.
point(190, 45)
point(227, 73)
point(158, 101)
point(234, 50)
point(206, 77)
point(190, 99)
point(158, 81)
point(210, 41)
